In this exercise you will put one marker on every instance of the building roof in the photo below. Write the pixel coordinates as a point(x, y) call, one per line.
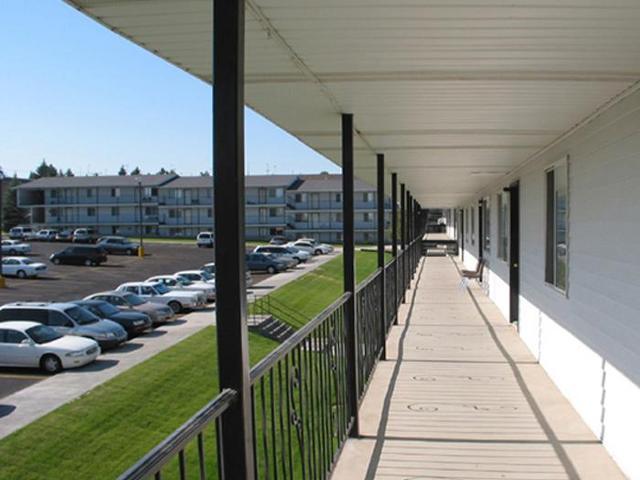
point(330, 183)
point(249, 181)
point(98, 181)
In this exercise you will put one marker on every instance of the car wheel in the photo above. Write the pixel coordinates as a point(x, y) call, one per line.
point(51, 364)
point(89, 263)
point(175, 306)
point(318, 252)
point(56, 261)
point(21, 274)
point(129, 252)
point(271, 270)
point(12, 252)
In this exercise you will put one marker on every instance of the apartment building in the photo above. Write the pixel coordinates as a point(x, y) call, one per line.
point(174, 206)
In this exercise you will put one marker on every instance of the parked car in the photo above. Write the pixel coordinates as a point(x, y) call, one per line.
point(325, 247)
point(134, 323)
point(22, 267)
point(46, 235)
point(64, 236)
point(156, 292)
point(301, 255)
point(262, 262)
point(66, 319)
point(313, 248)
point(80, 255)
point(210, 268)
point(204, 240)
point(19, 233)
point(15, 247)
point(126, 302)
point(33, 345)
point(178, 282)
point(85, 235)
point(118, 245)
point(278, 240)
point(279, 252)
point(198, 276)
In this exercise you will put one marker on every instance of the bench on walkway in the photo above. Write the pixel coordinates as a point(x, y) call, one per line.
point(473, 274)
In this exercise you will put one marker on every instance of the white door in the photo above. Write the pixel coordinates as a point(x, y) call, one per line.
point(10, 266)
point(14, 352)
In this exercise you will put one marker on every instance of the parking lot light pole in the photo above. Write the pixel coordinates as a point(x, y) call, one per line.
point(141, 247)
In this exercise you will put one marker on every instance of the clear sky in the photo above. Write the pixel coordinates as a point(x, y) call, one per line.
point(83, 98)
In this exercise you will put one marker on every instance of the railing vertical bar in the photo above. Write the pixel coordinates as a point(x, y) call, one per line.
point(287, 374)
point(283, 443)
point(302, 415)
point(201, 463)
point(274, 444)
point(181, 465)
point(265, 442)
point(254, 430)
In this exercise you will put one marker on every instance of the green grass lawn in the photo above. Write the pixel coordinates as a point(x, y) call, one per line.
point(107, 430)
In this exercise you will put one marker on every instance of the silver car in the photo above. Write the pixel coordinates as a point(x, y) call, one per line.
point(67, 319)
point(159, 314)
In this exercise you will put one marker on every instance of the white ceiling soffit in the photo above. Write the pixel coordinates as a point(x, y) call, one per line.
point(455, 93)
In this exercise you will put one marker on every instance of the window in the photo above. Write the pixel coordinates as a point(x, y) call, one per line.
point(300, 197)
point(115, 192)
point(367, 197)
point(91, 212)
point(179, 193)
point(338, 197)
point(486, 223)
point(338, 216)
point(57, 319)
point(115, 211)
point(466, 223)
point(273, 212)
point(275, 192)
point(148, 192)
point(300, 217)
point(11, 336)
point(209, 212)
point(54, 193)
point(556, 225)
point(367, 217)
point(89, 192)
point(503, 226)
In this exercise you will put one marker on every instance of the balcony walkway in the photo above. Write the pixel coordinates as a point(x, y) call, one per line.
point(462, 398)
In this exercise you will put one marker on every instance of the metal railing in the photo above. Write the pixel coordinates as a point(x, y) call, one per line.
point(299, 392)
point(267, 305)
point(187, 444)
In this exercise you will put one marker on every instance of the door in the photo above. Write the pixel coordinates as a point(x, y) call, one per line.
point(480, 231)
point(461, 234)
point(13, 352)
point(514, 253)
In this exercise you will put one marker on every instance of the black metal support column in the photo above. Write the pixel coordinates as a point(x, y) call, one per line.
point(394, 237)
point(349, 268)
point(228, 167)
point(403, 238)
point(381, 262)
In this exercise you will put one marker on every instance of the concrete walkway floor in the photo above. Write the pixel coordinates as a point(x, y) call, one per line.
point(460, 397)
point(37, 400)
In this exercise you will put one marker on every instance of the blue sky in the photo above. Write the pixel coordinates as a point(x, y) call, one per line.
point(83, 98)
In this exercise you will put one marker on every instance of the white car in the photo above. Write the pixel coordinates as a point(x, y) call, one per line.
point(22, 267)
point(178, 282)
point(204, 240)
point(312, 248)
point(198, 276)
point(46, 235)
point(31, 344)
point(15, 247)
point(156, 292)
point(210, 268)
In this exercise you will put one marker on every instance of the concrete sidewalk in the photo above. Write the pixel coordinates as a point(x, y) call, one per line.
point(462, 398)
point(37, 400)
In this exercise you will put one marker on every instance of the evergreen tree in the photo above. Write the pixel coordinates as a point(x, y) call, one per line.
point(205, 173)
point(162, 171)
point(44, 170)
point(135, 171)
point(12, 215)
point(69, 173)
point(122, 171)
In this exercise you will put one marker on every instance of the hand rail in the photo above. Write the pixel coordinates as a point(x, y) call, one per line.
point(174, 444)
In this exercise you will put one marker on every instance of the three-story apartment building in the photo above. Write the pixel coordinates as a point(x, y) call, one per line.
point(174, 206)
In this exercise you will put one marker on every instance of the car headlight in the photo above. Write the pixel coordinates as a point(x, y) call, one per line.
point(74, 354)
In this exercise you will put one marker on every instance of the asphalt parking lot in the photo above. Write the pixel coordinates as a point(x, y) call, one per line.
point(70, 282)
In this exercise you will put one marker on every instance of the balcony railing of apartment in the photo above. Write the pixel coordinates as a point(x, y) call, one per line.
point(300, 394)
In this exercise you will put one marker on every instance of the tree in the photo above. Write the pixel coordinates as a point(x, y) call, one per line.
point(69, 173)
point(135, 171)
point(205, 174)
point(12, 215)
point(122, 171)
point(162, 171)
point(44, 170)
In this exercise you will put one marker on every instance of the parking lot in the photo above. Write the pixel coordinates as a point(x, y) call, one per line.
point(67, 282)
point(70, 282)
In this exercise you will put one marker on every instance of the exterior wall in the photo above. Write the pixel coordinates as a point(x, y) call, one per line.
point(587, 339)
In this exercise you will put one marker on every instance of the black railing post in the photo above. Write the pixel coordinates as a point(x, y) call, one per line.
point(228, 167)
point(349, 268)
point(409, 238)
point(394, 240)
point(403, 239)
point(381, 262)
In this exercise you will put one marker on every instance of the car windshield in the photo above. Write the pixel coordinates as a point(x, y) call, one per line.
point(107, 309)
point(207, 276)
point(184, 281)
point(27, 261)
point(81, 315)
point(292, 250)
point(161, 288)
point(133, 299)
point(43, 334)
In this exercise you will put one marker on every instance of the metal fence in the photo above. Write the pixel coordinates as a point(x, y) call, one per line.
point(299, 392)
